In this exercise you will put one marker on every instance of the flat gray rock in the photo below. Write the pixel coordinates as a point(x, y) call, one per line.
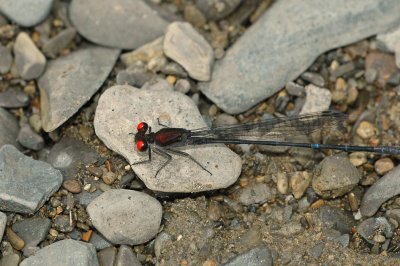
point(9, 128)
point(32, 230)
point(5, 59)
point(126, 216)
point(13, 98)
point(390, 42)
point(26, 13)
point(29, 138)
point(70, 81)
point(259, 256)
point(64, 253)
point(29, 60)
point(69, 155)
point(25, 184)
point(126, 256)
point(3, 223)
point(382, 190)
point(56, 44)
point(122, 24)
point(122, 108)
point(183, 44)
point(268, 56)
point(99, 242)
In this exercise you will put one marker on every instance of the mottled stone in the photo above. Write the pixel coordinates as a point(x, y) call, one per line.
point(135, 216)
point(121, 108)
point(335, 176)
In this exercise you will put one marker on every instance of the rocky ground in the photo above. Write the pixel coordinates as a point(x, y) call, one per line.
point(77, 77)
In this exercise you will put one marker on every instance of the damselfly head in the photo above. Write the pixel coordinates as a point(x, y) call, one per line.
point(142, 127)
point(141, 145)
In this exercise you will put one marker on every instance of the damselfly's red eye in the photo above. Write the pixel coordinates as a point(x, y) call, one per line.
point(142, 127)
point(141, 145)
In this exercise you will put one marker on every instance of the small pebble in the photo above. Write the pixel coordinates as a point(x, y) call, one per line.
point(214, 211)
point(357, 215)
point(282, 183)
point(53, 232)
point(352, 95)
point(183, 86)
point(371, 75)
point(30, 62)
point(109, 178)
point(210, 262)
point(243, 182)
point(366, 130)
point(171, 79)
point(317, 99)
point(5, 59)
point(212, 111)
point(62, 223)
point(87, 235)
point(379, 238)
point(183, 44)
point(295, 89)
point(340, 93)
point(224, 119)
point(317, 204)
point(194, 16)
point(59, 42)
point(28, 138)
point(96, 171)
point(14, 239)
point(353, 201)
point(35, 122)
point(299, 183)
point(384, 165)
point(72, 186)
point(314, 78)
point(156, 64)
point(87, 187)
point(358, 158)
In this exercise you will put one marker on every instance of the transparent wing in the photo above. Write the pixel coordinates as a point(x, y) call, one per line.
point(285, 128)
